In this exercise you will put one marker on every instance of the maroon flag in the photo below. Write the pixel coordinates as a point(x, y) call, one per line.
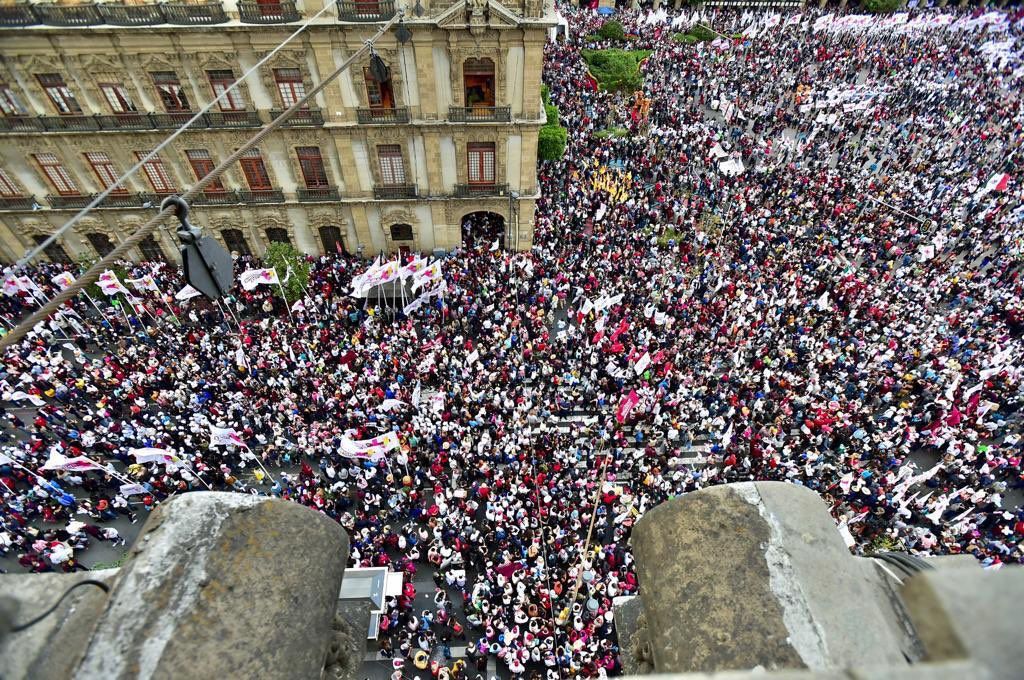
point(626, 406)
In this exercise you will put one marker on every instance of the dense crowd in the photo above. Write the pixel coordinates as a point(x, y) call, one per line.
point(844, 301)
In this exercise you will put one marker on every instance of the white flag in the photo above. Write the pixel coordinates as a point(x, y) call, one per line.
point(132, 489)
point(225, 436)
point(19, 395)
point(76, 464)
point(63, 280)
point(187, 293)
point(151, 455)
point(472, 357)
point(642, 363)
point(255, 277)
point(416, 395)
point(299, 306)
point(146, 282)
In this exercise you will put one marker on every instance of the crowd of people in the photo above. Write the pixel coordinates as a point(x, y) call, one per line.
point(802, 263)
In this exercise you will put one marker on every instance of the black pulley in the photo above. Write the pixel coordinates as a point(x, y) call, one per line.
point(207, 266)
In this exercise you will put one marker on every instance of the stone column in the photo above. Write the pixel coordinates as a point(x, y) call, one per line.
point(423, 48)
point(322, 53)
point(223, 585)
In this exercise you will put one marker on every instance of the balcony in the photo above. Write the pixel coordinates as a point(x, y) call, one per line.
point(318, 195)
point(68, 202)
point(21, 124)
point(123, 200)
point(480, 114)
point(117, 14)
point(170, 121)
point(477, 190)
point(262, 196)
point(69, 123)
point(69, 15)
point(281, 12)
point(19, 14)
point(383, 116)
point(394, 192)
point(203, 14)
point(216, 198)
point(125, 121)
point(17, 202)
point(301, 117)
point(365, 10)
point(234, 119)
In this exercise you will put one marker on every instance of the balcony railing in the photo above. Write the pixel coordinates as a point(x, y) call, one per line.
point(300, 117)
point(125, 121)
point(69, 123)
point(383, 116)
point(169, 121)
point(131, 15)
point(19, 14)
point(21, 124)
point(195, 15)
point(225, 197)
point(366, 10)
point(17, 202)
point(69, 15)
point(281, 12)
point(124, 200)
point(475, 190)
point(234, 119)
point(480, 114)
point(66, 202)
point(319, 194)
point(262, 196)
point(395, 191)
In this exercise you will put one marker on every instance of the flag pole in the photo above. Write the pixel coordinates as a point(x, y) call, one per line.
point(90, 298)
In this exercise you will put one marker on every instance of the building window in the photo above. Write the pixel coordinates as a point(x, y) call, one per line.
point(171, 94)
point(54, 251)
point(157, 173)
point(290, 86)
point(392, 168)
point(117, 97)
point(220, 81)
point(478, 77)
point(278, 235)
point(8, 189)
point(235, 242)
point(312, 167)
point(332, 240)
point(480, 158)
point(202, 165)
point(104, 169)
point(378, 94)
point(10, 105)
point(57, 174)
point(56, 89)
point(255, 171)
point(401, 232)
point(151, 250)
point(101, 243)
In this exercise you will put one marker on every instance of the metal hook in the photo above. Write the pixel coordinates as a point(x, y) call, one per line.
point(187, 232)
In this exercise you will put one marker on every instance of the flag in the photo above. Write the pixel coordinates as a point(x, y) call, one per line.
point(151, 455)
point(225, 436)
point(146, 282)
point(390, 404)
point(255, 277)
point(15, 285)
point(109, 283)
point(187, 293)
point(63, 280)
point(997, 182)
point(132, 489)
point(626, 406)
point(494, 246)
point(414, 267)
point(472, 357)
point(428, 274)
point(622, 328)
point(76, 464)
point(299, 306)
point(415, 304)
point(642, 363)
point(416, 395)
point(373, 449)
point(19, 395)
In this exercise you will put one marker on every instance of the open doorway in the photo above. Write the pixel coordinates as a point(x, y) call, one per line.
point(481, 229)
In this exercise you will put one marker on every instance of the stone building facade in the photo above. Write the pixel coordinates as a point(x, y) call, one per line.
point(374, 165)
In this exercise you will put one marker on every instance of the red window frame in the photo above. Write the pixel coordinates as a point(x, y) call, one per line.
point(480, 163)
point(104, 169)
point(10, 105)
point(392, 164)
point(255, 171)
point(59, 177)
point(290, 86)
point(172, 95)
point(220, 81)
point(61, 96)
point(312, 166)
point(117, 98)
point(157, 173)
point(8, 188)
point(202, 165)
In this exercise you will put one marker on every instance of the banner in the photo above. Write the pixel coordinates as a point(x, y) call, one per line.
point(76, 464)
point(151, 455)
point(15, 285)
point(372, 449)
point(256, 277)
point(428, 274)
point(132, 490)
point(187, 293)
point(63, 280)
point(414, 267)
point(416, 395)
point(626, 406)
point(109, 283)
point(642, 363)
point(146, 282)
point(19, 395)
point(225, 436)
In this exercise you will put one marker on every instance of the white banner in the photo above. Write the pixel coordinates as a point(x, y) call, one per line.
point(256, 277)
point(225, 436)
point(187, 293)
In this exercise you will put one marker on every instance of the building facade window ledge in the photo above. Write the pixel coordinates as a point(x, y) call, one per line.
point(477, 190)
point(395, 191)
point(198, 14)
point(280, 12)
point(395, 116)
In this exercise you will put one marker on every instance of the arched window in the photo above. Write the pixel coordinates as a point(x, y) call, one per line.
point(401, 232)
point(101, 243)
point(235, 242)
point(478, 77)
point(151, 250)
point(278, 235)
point(54, 251)
point(332, 240)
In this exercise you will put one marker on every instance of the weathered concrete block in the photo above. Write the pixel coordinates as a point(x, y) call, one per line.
point(50, 649)
point(961, 613)
point(756, 574)
point(223, 585)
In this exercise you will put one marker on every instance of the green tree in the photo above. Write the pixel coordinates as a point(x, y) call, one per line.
point(551, 142)
point(616, 70)
point(612, 30)
point(282, 256)
point(85, 262)
point(881, 6)
point(552, 114)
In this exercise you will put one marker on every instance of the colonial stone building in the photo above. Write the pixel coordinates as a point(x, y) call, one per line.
point(376, 164)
